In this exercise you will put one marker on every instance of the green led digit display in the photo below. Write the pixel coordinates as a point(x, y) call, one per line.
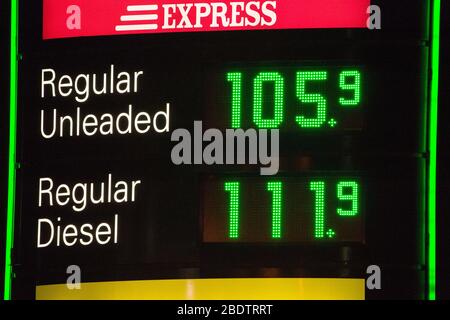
point(288, 209)
point(348, 191)
point(350, 80)
point(258, 92)
point(276, 188)
point(303, 98)
point(233, 189)
point(311, 98)
point(319, 207)
point(236, 101)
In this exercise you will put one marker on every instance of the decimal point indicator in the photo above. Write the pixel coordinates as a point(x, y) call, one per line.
point(332, 122)
point(331, 233)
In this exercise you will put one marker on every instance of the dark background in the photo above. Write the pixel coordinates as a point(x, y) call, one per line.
point(400, 38)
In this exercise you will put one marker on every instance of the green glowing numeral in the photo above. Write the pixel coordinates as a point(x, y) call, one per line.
point(350, 196)
point(258, 100)
point(233, 209)
point(276, 188)
point(318, 99)
point(236, 98)
point(355, 86)
point(319, 207)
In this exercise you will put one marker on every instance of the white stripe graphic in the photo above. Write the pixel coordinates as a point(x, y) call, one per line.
point(139, 17)
point(137, 27)
point(144, 17)
point(150, 7)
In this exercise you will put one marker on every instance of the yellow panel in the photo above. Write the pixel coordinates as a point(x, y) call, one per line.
point(211, 289)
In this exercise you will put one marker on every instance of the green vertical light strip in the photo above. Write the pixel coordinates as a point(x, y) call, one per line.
point(12, 151)
point(436, 13)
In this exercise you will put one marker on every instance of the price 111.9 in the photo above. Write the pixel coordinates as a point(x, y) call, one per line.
point(287, 209)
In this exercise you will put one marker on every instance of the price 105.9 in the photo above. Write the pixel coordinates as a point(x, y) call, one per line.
point(348, 95)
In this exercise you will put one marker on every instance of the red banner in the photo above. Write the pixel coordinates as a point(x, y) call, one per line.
point(78, 18)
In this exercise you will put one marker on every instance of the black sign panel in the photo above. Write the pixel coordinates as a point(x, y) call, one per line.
point(149, 156)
